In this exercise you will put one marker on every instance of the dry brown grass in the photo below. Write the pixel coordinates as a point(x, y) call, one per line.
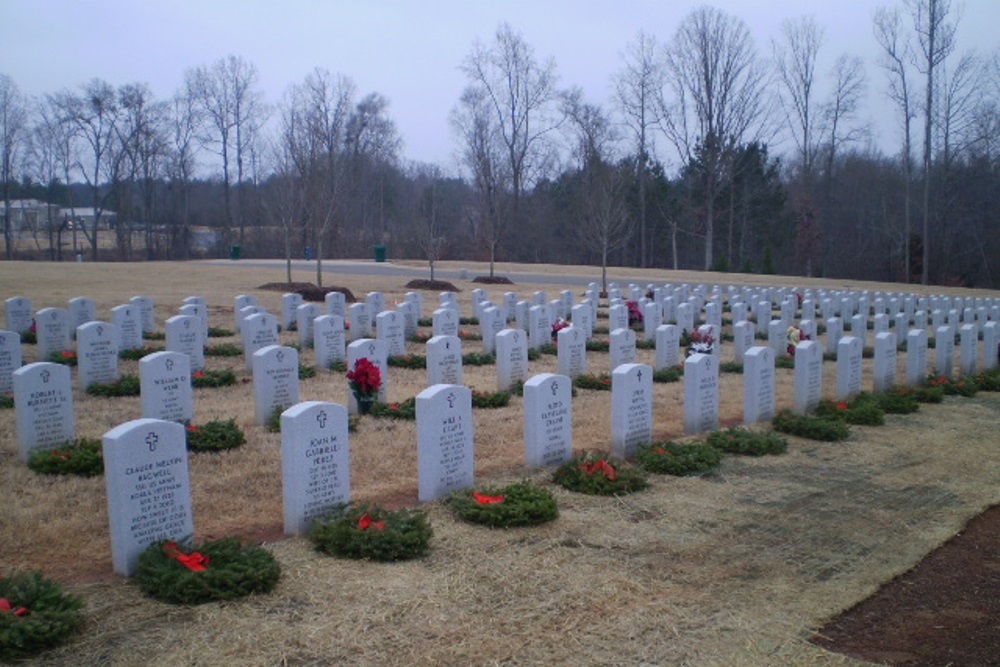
point(730, 569)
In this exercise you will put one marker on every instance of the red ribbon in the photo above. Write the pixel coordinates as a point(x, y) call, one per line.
point(487, 500)
point(6, 606)
point(193, 561)
point(365, 522)
point(602, 466)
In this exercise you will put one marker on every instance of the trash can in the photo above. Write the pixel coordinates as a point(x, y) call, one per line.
point(234, 251)
point(380, 253)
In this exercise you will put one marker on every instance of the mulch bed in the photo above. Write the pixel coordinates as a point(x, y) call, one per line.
point(309, 291)
point(493, 280)
point(945, 611)
point(434, 285)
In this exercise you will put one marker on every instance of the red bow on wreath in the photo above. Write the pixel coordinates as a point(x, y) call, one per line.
point(365, 522)
point(6, 606)
point(487, 500)
point(193, 561)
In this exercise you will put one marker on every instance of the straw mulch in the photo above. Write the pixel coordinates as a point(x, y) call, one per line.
point(735, 568)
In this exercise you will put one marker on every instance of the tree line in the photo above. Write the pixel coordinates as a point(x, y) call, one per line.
point(678, 168)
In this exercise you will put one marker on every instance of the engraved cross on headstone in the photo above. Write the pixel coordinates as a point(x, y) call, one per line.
point(321, 419)
point(151, 440)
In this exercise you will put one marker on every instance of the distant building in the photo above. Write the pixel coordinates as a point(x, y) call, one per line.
point(32, 214)
point(84, 217)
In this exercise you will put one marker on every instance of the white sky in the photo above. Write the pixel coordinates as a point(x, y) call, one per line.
point(409, 51)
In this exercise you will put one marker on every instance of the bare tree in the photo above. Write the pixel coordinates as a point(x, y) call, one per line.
point(183, 121)
point(314, 128)
point(936, 37)
point(13, 141)
point(519, 92)
point(483, 154)
point(232, 107)
point(373, 144)
point(718, 87)
point(93, 114)
point(142, 136)
point(795, 62)
point(638, 88)
point(896, 61)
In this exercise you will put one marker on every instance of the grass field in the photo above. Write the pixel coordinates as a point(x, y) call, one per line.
point(734, 568)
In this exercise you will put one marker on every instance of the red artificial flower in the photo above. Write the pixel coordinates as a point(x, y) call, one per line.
point(487, 500)
point(842, 406)
point(6, 606)
point(193, 561)
point(365, 522)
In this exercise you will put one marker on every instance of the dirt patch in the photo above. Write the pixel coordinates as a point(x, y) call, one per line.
point(945, 611)
point(434, 285)
point(493, 280)
point(309, 291)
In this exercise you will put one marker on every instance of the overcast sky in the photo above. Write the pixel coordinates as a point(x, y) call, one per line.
point(408, 50)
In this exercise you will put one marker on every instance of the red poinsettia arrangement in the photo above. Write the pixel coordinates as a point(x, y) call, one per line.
point(634, 313)
point(558, 326)
point(365, 379)
point(601, 467)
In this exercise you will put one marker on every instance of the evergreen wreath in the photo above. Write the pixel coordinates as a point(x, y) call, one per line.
point(338, 366)
point(83, 457)
point(738, 440)
point(65, 357)
point(404, 410)
point(810, 426)
point(486, 399)
point(600, 382)
point(34, 615)
point(862, 410)
point(135, 354)
point(126, 385)
point(645, 344)
point(478, 359)
point(595, 345)
point(548, 349)
point(29, 337)
point(214, 436)
point(519, 504)
point(367, 531)
point(220, 570)
point(306, 372)
point(223, 350)
point(672, 458)
point(407, 361)
point(6, 401)
point(219, 332)
point(470, 335)
point(205, 378)
point(898, 401)
point(595, 475)
point(669, 374)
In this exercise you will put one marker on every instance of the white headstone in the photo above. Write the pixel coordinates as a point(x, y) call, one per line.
point(389, 328)
point(631, 408)
point(417, 300)
point(808, 376)
point(304, 316)
point(548, 420)
point(18, 314)
point(884, 374)
point(916, 357)
point(834, 332)
point(360, 324)
point(126, 318)
point(81, 310)
point(445, 455)
point(445, 322)
point(652, 317)
point(275, 381)
point(376, 304)
point(96, 353)
point(667, 346)
point(701, 393)
point(52, 332)
point(512, 358)
point(290, 303)
point(849, 366)
point(259, 331)
point(990, 345)
point(10, 360)
point(967, 352)
point(758, 385)
point(491, 322)
point(330, 340)
point(621, 347)
point(43, 403)
point(196, 310)
point(148, 487)
point(184, 334)
point(444, 360)
point(539, 327)
point(240, 302)
point(617, 317)
point(315, 462)
point(944, 351)
point(777, 338)
point(571, 344)
point(165, 387)
point(146, 308)
point(743, 339)
point(336, 304)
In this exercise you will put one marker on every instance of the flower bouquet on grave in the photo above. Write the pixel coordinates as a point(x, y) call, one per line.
point(34, 615)
point(520, 504)
point(794, 336)
point(700, 343)
point(367, 531)
point(220, 570)
point(365, 379)
point(635, 317)
point(83, 457)
point(558, 326)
